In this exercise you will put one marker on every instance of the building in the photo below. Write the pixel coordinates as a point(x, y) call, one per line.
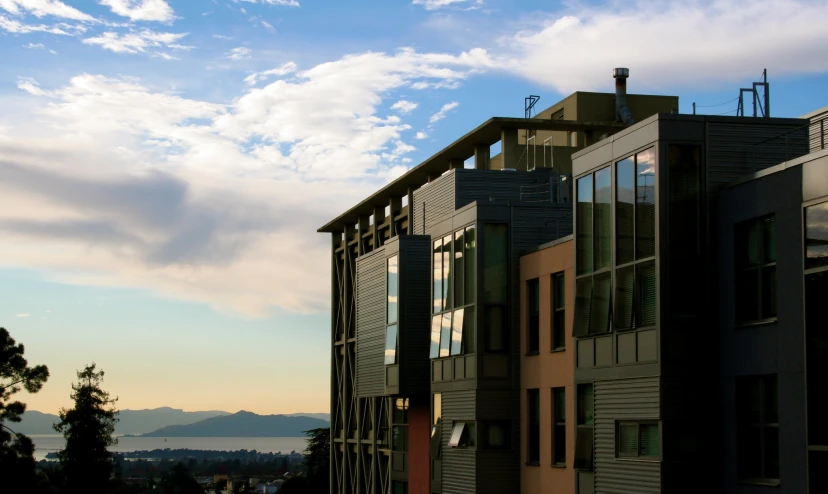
point(592, 310)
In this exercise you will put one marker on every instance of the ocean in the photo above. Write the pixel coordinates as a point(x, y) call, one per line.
point(47, 443)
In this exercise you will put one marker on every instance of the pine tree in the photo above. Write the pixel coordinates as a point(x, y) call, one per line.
point(17, 465)
point(88, 428)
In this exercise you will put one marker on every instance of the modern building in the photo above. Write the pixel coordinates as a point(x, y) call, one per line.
point(590, 310)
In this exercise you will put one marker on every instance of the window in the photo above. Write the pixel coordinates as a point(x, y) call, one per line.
point(645, 204)
point(533, 309)
point(445, 334)
point(602, 219)
point(436, 427)
point(391, 309)
point(533, 427)
point(453, 288)
point(584, 442)
point(495, 286)
point(637, 440)
point(599, 320)
point(816, 236)
point(583, 306)
point(757, 433)
point(816, 360)
point(399, 487)
point(457, 332)
point(755, 287)
point(462, 435)
point(558, 311)
point(559, 426)
point(495, 435)
point(399, 425)
point(583, 226)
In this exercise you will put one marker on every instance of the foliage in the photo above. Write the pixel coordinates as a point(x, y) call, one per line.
point(88, 427)
point(17, 465)
point(178, 481)
point(296, 485)
point(318, 460)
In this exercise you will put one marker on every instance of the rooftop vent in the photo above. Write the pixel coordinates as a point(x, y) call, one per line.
point(622, 111)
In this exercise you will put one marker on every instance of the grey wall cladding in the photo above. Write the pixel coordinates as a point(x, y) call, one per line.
point(433, 202)
point(458, 467)
point(370, 323)
point(616, 400)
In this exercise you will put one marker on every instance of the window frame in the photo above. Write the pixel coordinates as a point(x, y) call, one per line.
point(558, 426)
point(759, 427)
point(638, 455)
point(584, 428)
point(449, 289)
point(463, 435)
point(742, 268)
point(558, 313)
point(533, 423)
point(533, 316)
point(392, 359)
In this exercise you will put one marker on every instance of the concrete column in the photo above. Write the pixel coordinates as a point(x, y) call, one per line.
point(456, 163)
point(410, 210)
point(481, 156)
point(510, 151)
point(379, 218)
point(395, 209)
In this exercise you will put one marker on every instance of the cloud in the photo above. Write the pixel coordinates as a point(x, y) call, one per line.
point(671, 44)
point(33, 46)
point(17, 27)
point(441, 114)
point(269, 26)
point(137, 41)
point(439, 4)
point(286, 3)
point(284, 69)
point(404, 106)
point(421, 135)
point(43, 8)
point(22, 315)
point(221, 36)
point(215, 203)
point(141, 10)
point(239, 53)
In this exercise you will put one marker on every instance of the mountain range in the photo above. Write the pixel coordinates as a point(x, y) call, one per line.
point(136, 422)
point(243, 424)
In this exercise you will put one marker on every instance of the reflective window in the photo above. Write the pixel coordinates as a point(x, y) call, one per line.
point(391, 344)
point(393, 290)
point(755, 259)
point(757, 412)
point(445, 334)
point(437, 276)
point(470, 269)
point(816, 236)
point(600, 318)
point(457, 333)
point(816, 359)
point(625, 211)
point(459, 270)
point(447, 288)
point(638, 440)
point(583, 227)
point(434, 352)
point(495, 264)
point(583, 306)
point(602, 219)
point(453, 285)
point(645, 200)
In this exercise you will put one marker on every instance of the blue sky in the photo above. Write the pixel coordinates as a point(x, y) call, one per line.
point(164, 164)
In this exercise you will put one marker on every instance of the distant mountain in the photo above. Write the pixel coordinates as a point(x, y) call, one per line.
point(321, 416)
point(243, 424)
point(131, 421)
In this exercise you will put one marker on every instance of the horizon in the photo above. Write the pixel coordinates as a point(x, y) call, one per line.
point(164, 166)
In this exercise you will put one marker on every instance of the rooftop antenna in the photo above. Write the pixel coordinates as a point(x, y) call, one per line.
point(761, 106)
point(528, 105)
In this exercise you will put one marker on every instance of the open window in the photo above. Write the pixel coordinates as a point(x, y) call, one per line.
point(462, 435)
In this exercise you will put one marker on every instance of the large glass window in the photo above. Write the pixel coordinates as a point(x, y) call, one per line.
point(637, 440)
point(816, 236)
point(583, 306)
point(391, 344)
point(816, 347)
point(437, 276)
point(533, 426)
point(457, 332)
point(470, 268)
point(755, 259)
point(645, 200)
point(436, 427)
point(459, 270)
point(399, 425)
point(448, 295)
point(625, 211)
point(533, 317)
point(603, 219)
point(584, 234)
point(436, 321)
point(445, 334)
point(600, 319)
point(391, 309)
point(495, 286)
point(559, 426)
point(558, 311)
point(757, 411)
point(454, 291)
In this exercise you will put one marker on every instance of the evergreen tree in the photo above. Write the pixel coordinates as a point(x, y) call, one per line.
point(17, 465)
point(318, 460)
point(88, 429)
point(179, 481)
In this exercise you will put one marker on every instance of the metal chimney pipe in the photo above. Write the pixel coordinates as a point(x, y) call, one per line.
point(622, 111)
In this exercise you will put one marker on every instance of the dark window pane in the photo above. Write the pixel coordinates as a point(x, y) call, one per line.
point(583, 448)
point(749, 400)
point(602, 218)
point(559, 330)
point(391, 344)
point(645, 313)
point(816, 235)
point(457, 333)
point(771, 400)
point(769, 239)
point(559, 291)
point(771, 456)
point(445, 334)
point(817, 467)
point(399, 438)
point(583, 306)
point(533, 425)
point(645, 200)
point(398, 487)
point(816, 334)
point(533, 315)
point(393, 290)
point(602, 288)
point(747, 301)
point(748, 244)
point(495, 264)
point(559, 442)
point(625, 211)
point(558, 311)
point(459, 270)
point(622, 316)
point(470, 268)
point(495, 321)
point(628, 440)
point(749, 447)
point(448, 277)
point(434, 352)
point(583, 226)
point(468, 330)
point(648, 440)
point(496, 435)
point(437, 276)
point(769, 291)
point(585, 404)
point(559, 399)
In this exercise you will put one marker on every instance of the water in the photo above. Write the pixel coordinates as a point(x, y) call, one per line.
point(47, 443)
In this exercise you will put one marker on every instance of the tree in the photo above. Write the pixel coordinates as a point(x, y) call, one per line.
point(179, 481)
point(318, 460)
point(17, 465)
point(88, 429)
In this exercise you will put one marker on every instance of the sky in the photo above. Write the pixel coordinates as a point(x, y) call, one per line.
point(164, 164)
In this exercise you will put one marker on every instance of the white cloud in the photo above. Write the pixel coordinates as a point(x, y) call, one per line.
point(33, 46)
point(443, 111)
point(421, 135)
point(668, 44)
point(284, 69)
point(268, 26)
point(135, 42)
point(221, 36)
point(239, 53)
point(22, 315)
point(17, 27)
point(43, 8)
point(439, 4)
point(286, 3)
point(404, 106)
point(165, 56)
point(141, 10)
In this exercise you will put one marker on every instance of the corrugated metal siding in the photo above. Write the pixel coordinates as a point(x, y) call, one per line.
point(438, 198)
point(818, 132)
point(458, 466)
point(370, 324)
point(415, 302)
point(739, 148)
point(480, 185)
point(498, 472)
point(624, 399)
